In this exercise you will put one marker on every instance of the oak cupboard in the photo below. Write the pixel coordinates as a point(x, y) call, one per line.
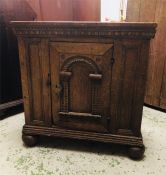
point(84, 80)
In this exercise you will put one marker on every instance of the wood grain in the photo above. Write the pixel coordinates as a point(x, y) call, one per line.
point(145, 10)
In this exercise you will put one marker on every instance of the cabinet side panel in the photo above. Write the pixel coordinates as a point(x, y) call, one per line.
point(38, 73)
point(36, 81)
point(140, 86)
point(128, 86)
point(24, 79)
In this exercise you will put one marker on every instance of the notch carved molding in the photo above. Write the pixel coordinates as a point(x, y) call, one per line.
point(94, 30)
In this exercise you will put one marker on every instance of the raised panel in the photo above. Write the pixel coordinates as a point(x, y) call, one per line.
point(38, 70)
point(128, 85)
point(36, 81)
point(130, 56)
point(80, 89)
point(83, 48)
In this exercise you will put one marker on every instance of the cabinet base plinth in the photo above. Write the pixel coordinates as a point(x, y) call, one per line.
point(136, 149)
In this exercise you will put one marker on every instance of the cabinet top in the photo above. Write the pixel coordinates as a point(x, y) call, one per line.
point(140, 30)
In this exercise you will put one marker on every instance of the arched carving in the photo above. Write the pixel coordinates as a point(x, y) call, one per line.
point(79, 59)
point(66, 75)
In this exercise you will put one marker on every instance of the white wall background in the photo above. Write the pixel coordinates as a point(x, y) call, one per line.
point(110, 10)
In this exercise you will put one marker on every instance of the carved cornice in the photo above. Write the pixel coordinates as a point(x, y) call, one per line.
point(80, 29)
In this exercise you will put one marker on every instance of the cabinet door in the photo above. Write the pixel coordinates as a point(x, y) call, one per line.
point(80, 84)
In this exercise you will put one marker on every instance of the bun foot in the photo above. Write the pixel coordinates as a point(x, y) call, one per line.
point(136, 152)
point(29, 140)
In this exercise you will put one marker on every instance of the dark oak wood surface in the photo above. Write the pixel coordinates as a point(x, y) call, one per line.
point(84, 80)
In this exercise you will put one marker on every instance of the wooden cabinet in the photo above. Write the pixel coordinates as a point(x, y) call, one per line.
point(84, 80)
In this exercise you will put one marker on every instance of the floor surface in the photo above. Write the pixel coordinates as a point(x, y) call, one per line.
point(71, 157)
